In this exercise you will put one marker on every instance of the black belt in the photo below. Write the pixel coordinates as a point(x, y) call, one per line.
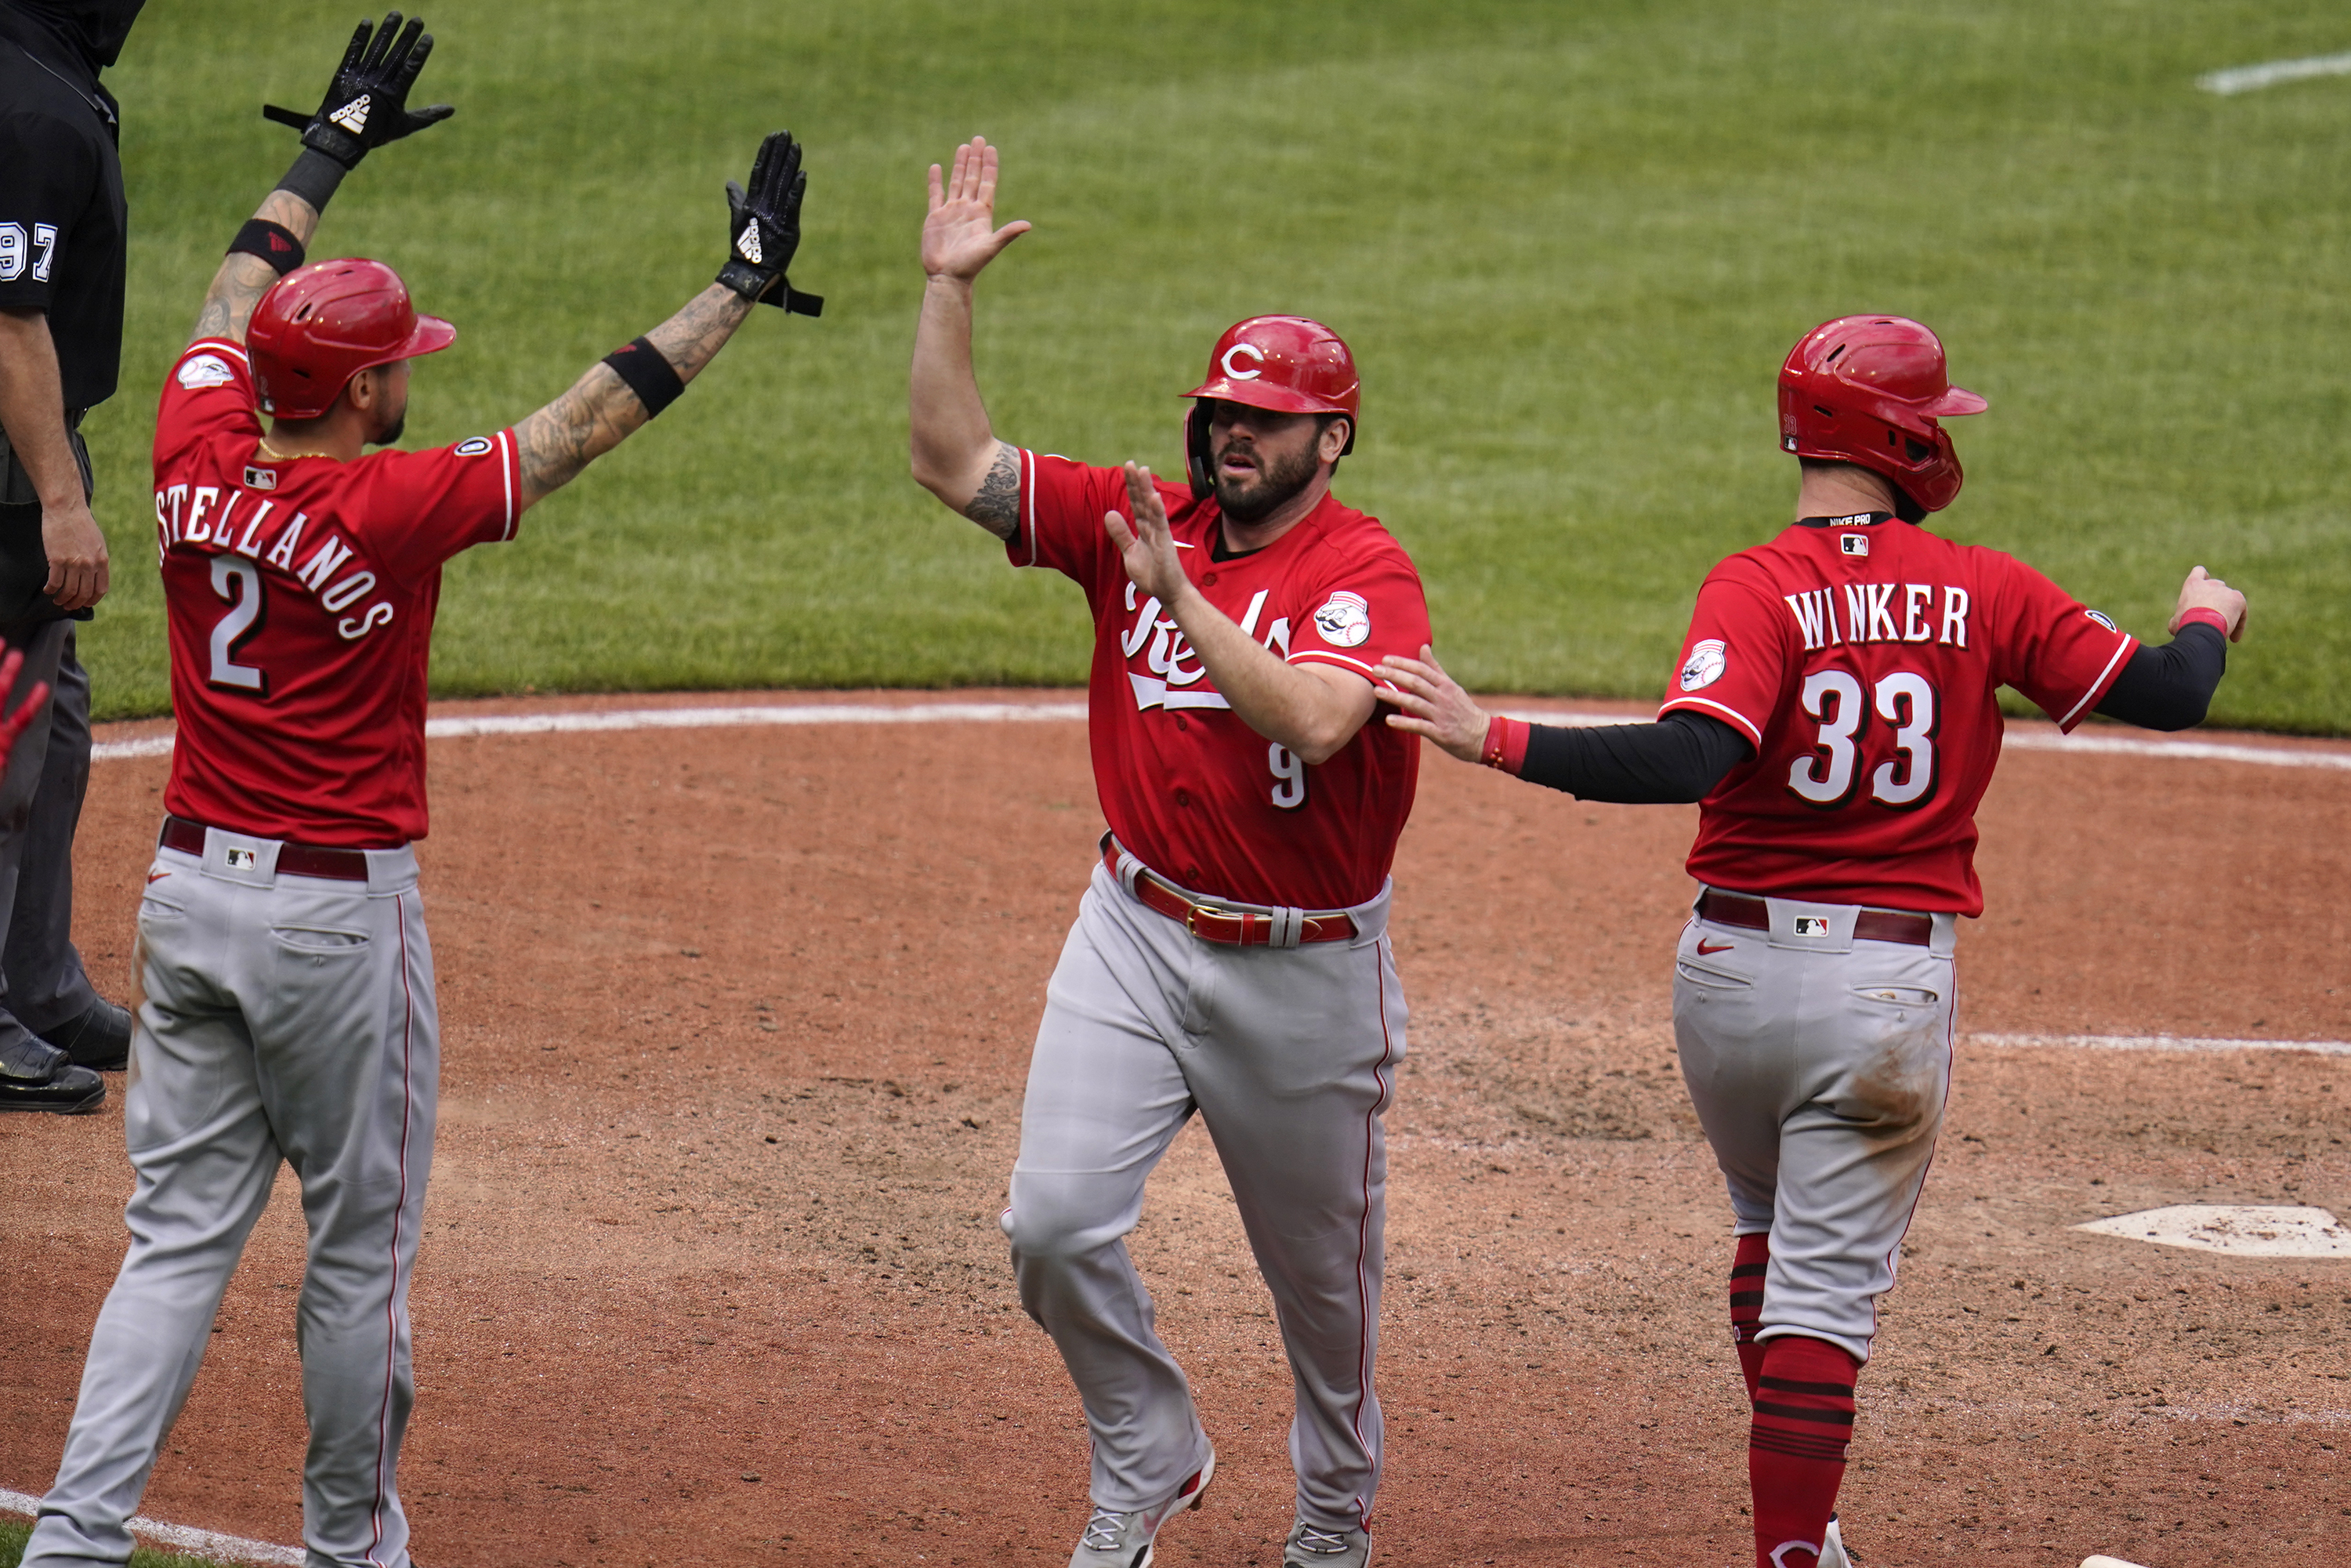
point(1750, 914)
point(293, 859)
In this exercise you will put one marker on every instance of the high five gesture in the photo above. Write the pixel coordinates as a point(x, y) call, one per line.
point(960, 236)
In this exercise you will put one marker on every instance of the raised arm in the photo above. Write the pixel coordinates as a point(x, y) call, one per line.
point(245, 275)
point(957, 455)
point(619, 393)
point(369, 92)
point(601, 410)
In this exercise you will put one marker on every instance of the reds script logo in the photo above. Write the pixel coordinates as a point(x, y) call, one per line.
point(1175, 677)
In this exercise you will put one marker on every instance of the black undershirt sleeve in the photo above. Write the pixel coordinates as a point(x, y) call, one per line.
point(1679, 758)
point(2169, 687)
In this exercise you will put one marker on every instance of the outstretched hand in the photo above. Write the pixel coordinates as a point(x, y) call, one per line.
point(1147, 550)
point(367, 102)
point(20, 717)
point(2203, 592)
point(1432, 705)
point(763, 228)
point(960, 236)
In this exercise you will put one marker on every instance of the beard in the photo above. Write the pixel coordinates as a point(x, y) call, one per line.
point(390, 437)
point(1277, 483)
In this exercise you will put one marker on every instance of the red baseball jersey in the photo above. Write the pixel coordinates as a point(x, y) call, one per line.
point(301, 596)
point(1862, 660)
point(1189, 789)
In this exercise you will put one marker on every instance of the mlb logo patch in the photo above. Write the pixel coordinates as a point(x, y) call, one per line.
point(1853, 544)
point(260, 478)
point(1811, 926)
point(242, 860)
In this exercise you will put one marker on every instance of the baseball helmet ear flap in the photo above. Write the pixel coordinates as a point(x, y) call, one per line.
point(1196, 451)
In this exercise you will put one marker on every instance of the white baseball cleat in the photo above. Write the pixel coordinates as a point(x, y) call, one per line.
point(1312, 1546)
point(1830, 1553)
point(1115, 1539)
point(2105, 1562)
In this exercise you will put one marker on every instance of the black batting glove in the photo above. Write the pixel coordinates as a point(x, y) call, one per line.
point(763, 228)
point(367, 103)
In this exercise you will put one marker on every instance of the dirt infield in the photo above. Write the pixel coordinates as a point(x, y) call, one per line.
point(735, 1028)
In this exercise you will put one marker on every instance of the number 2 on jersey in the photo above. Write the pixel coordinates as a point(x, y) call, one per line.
point(239, 582)
point(1829, 775)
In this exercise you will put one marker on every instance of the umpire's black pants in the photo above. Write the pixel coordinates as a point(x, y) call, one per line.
point(42, 984)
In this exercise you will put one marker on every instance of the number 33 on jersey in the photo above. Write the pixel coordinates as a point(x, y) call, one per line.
point(1863, 660)
point(300, 595)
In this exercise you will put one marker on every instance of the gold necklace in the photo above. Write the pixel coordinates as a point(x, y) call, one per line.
point(277, 455)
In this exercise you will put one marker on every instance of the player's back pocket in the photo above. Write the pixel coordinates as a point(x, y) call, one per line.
point(322, 940)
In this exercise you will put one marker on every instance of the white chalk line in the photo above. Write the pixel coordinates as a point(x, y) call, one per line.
point(181, 1537)
point(2249, 78)
point(2171, 1043)
point(452, 727)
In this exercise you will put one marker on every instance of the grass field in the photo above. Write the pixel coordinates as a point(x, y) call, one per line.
point(13, 1533)
point(1568, 244)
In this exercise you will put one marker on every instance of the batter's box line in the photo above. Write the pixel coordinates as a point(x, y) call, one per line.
point(180, 1537)
point(2170, 1042)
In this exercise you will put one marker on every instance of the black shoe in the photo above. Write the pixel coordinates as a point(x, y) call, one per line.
point(35, 1076)
point(99, 1039)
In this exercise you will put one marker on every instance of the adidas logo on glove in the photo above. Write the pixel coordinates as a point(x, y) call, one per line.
point(354, 116)
point(748, 247)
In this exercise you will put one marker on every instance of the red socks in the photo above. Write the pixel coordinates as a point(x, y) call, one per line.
point(1795, 1447)
point(1747, 1266)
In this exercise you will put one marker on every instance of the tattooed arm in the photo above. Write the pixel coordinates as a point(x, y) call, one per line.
point(957, 455)
point(242, 279)
point(600, 412)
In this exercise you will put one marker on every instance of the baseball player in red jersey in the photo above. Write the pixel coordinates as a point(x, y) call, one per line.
point(1231, 955)
point(1834, 711)
point(289, 1012)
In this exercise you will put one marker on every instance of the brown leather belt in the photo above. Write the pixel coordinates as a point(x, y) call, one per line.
point(1751, 914)
point(1230, 927)
point(293, 860)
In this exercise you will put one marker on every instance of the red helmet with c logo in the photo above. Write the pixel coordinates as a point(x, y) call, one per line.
point(320, 324)
point(1873, 389)
point(1288, 364)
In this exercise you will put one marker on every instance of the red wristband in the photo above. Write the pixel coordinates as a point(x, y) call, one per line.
point(1506, 745)
point(2208, 616)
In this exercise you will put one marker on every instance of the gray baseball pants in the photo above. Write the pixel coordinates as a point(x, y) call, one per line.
point(1289, 1055)
point(286, 1019)
point(40, 808)
point(1819, 1065)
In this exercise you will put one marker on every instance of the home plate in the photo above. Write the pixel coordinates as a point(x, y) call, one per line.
point(2247, 1230)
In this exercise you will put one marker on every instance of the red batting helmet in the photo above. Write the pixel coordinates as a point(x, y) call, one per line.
point(1871, 390)
point(1286, 363)
point(320, 324)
